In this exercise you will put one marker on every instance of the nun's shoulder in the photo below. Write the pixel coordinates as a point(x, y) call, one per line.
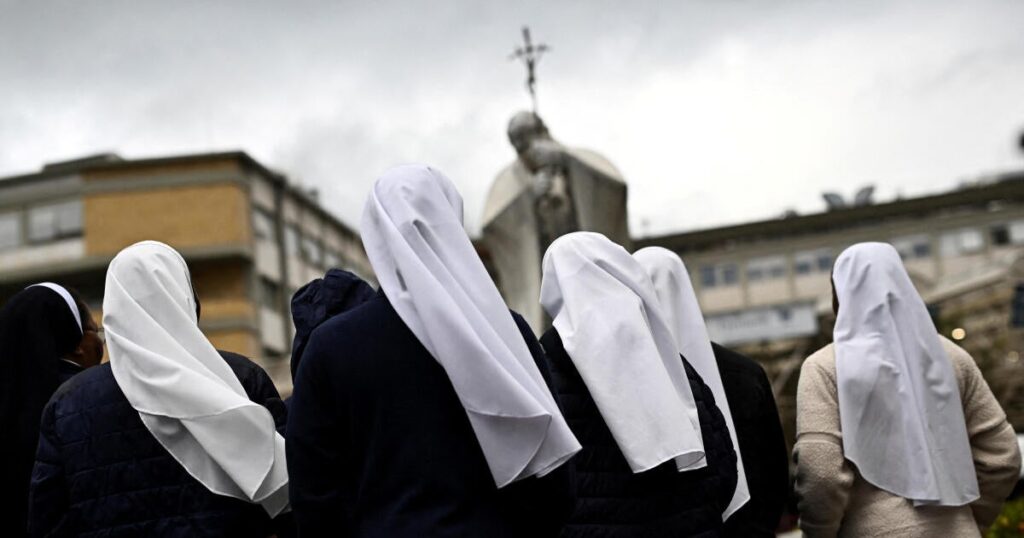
point(962, 361)
point(91, 383)
point(824, 358)
point(371, 321)
point(735, 361)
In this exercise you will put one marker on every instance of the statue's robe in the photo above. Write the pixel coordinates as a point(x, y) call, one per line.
point(510, 224)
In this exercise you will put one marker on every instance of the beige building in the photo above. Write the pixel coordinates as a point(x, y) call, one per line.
point(250, 238)
point(765, 286)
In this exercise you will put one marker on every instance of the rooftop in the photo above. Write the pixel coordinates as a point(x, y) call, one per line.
point(1006, 187)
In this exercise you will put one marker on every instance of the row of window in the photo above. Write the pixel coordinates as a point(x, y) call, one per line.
point(766, 268)
point(40, 224)
point(295, 244)
point(960, 242)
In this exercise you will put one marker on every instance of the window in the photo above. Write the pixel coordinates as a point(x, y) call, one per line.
point(707, 276)
point(730, 274)
point(1016, 232)
point(913, 246)
point(268, 293)
point(10, 230)
point(812, 261)
point(959, 242)
point(726, 274)
point(263, 225)
point(291, 241)
point(311, 250)
point(766, 268)
point(55, 221)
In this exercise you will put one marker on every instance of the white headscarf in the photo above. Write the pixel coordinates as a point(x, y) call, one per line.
point(682, 312)
point(187, 396)
point(66, 295)
point(605, 310)
point(433, 277)
point(899, 402)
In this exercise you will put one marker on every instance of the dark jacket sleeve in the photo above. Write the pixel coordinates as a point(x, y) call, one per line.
point(317, 450)
point(48, 494)
point(549, 498)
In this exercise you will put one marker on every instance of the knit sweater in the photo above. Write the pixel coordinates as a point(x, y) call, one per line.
point(835, 500)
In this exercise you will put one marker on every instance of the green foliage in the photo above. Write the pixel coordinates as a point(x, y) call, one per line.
point(1010, 522)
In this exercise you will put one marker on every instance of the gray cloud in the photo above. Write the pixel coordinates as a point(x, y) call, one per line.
point(716, 111)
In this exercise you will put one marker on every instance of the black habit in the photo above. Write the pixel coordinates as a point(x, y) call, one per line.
point(37, 328)
point(380, 446)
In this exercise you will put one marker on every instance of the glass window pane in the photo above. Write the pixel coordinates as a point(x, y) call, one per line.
point(1017, 232)
point(42, 224)
point(69, 218)
point(730, 274)
point(1000, 234)
point(10, 230)
point(707, 276)
point(291, 241)
point(922, 250)
point(263, 225)
point(949, 244)
point(311, 250)
point(971, 240)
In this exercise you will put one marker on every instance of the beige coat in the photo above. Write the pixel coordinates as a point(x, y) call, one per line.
point(835, 500)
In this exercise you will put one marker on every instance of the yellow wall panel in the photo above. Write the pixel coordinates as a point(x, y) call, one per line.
point(183, 217)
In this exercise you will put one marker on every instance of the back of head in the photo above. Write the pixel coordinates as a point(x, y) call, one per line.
point(868, 275)
point(37, 327)
point(438, 286)
point(156, 279)
point(316, 302)
point(185, 393)
point(607, 315)
point(900, 410)
point(679, 303)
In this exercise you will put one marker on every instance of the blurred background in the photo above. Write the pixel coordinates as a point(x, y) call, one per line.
point(757, 140)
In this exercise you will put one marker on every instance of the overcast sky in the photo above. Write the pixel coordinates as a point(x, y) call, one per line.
point(716, 112)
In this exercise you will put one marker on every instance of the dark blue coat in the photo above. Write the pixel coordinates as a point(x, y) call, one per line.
point(379, 445)
point(612, 501)
point(99, 472)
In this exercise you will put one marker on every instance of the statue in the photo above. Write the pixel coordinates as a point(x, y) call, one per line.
point(548, 191)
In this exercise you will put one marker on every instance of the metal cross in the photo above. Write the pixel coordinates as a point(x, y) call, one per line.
point(529, 54)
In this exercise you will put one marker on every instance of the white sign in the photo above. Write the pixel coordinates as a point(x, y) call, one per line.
point(764, 324)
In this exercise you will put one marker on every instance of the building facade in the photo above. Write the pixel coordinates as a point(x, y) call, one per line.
point(765, 287)
point(250, 238)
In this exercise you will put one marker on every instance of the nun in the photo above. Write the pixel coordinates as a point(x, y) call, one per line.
point(426, 410)
point(744, 396)
point(169, 438)
point(42, 329)
point(657, 458)
point(897, 432)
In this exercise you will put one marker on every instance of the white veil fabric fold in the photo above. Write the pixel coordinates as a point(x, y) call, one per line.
point(605, 310)
point(413, 234)
point(185, 393)
point(899, 401)
point(682, 312)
